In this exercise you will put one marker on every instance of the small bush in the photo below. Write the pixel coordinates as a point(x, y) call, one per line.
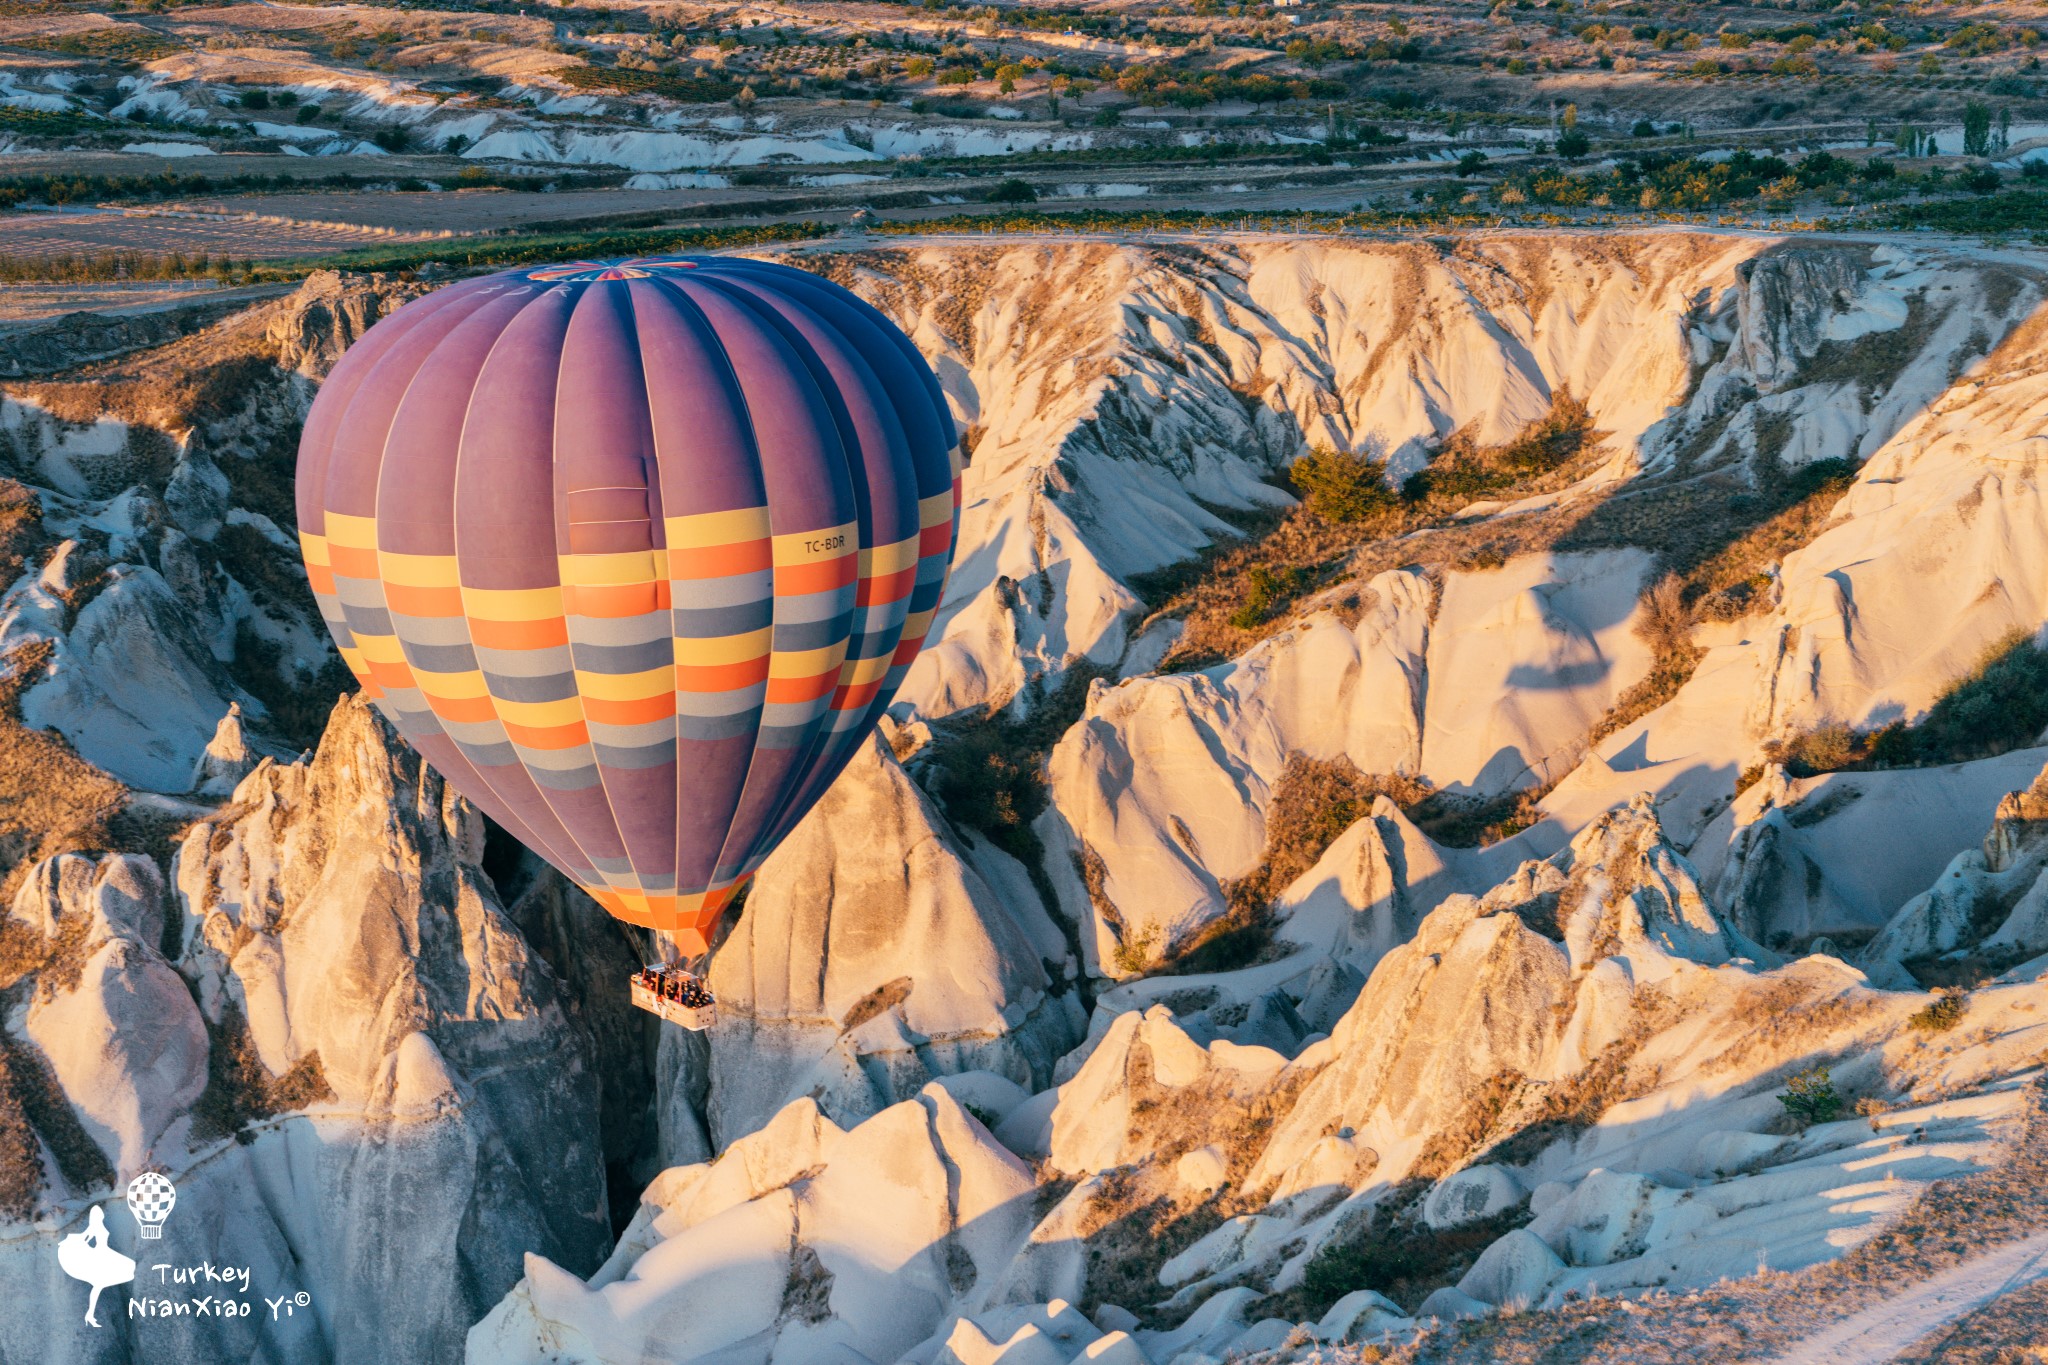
point(1811, 1097)
point(1399, 1255)
point(1940, 1014)
point(1267, 592)
point(1999, 705)
point(1343, 487)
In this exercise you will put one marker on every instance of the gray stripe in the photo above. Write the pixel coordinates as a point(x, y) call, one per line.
point(816, 606)
point(791, 636)
point(439, 658)
point(525, 663)
point(617, 630)
point(653, 734)
point(368, 620)
point(698, 621)
point(581, 779)
point(433, 630)
point(705, 728)
point(638, 658)
point(726, 703)
point(731, 590)
point(555, 760)
point(558, 687)
point(648, 756)
point(499, 755)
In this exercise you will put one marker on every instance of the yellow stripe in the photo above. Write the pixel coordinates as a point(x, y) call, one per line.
point(540, 713)
point(655, 682)
point(805, 663)
point(512, 604)
point(613, 570)
point(452, 686)
point(816, 547)
point(917, 623)
point(314, 549)
point(888, 559)
point(418, 571)
point(935, 509)
point(726, 649)
point(355, 661)
point(381, 649)
point(717, 528)
point(356, 533)
point(867, 670)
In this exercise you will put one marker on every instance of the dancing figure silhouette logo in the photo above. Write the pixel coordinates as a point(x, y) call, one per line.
point(88, 1256)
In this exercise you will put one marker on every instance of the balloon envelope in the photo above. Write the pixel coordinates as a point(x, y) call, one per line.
point(635, 553)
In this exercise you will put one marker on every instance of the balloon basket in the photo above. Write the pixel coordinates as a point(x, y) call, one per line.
point(675, 995)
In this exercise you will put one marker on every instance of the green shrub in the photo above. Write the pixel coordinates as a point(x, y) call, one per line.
point(1940, 1014)
point(1267, 592)
point(1999, 705)
point(1343, 487)
point(1810, 1096)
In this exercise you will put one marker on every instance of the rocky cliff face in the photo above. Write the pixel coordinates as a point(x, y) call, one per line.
point(330, 1035)
point(1198, 1063)
point(874, 954)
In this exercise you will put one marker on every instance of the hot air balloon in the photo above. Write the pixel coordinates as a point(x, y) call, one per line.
point(635, 553)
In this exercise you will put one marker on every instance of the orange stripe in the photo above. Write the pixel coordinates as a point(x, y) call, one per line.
point(721, 677)
point(396, 676)
point(352, 563)
point(802, 689)
point(855, 698)
point(720, 561)
point(796, 579)
point(545, 632)
point(887, 588)
point(548, 736)
point(408, 601)
point(368, 684)
point(637, 712)
point(906, 651)
point(614, 601)
point(322, 579)
point(462, 709)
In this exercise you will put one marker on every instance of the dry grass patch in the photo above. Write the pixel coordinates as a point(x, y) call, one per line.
point(240, 1090)
point(1316, 543)
point(33, 1104)
point(51, 800)
point(1758, 1317)
point(1140, 1218)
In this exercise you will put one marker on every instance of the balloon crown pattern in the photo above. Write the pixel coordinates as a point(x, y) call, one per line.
point(635, 553)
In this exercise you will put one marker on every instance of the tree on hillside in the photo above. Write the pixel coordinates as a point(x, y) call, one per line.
point(1976, 129)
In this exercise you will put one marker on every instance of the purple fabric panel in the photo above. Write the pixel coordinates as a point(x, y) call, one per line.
point(803, 465)
point(360, 442)
point(331, 404)
point(808, 476)
point(887, 512)
point(504, 483)
point(704, 439)
point(896, 360)
point(604, 441)
point(705, 461)
point(416, 488)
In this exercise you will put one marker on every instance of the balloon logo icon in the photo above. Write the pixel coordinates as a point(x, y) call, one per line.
point(150, 1197)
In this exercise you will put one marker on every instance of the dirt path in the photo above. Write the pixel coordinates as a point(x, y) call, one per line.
point(1886, 1330)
